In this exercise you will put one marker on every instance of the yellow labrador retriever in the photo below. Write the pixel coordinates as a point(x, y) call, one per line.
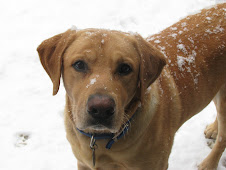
point(122, 107)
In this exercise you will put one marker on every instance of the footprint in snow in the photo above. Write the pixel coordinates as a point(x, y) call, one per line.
point(21, 139)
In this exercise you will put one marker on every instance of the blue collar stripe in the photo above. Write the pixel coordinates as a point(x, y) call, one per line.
point(99, 136)
point(112, 141)
point(110, 135)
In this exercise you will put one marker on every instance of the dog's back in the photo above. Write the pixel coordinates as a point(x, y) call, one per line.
point(195, 50)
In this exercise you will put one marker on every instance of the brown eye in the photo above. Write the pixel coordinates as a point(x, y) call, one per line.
point(80, 66)
point(124, 69)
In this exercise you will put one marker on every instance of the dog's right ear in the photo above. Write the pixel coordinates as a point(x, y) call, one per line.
point(51, 52)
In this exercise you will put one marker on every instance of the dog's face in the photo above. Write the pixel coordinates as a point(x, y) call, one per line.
point(104, 73)
point(101, 77)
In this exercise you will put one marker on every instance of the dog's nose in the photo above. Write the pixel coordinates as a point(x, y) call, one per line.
point(101, 106)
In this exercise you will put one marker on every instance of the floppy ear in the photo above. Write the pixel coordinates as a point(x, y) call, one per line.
point(151, 64)
point(51, 52)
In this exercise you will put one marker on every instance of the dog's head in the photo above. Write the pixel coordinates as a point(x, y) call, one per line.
point(104, 72)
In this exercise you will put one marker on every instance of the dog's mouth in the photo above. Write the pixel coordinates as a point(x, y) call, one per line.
point(100, 129)
point(103, 115)
point(99, 126)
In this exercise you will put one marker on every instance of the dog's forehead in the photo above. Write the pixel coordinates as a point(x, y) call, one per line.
point(103, 33)
point(105, 39)
point(101, 44)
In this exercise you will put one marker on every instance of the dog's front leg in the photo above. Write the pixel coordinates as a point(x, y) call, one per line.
point(211, 161)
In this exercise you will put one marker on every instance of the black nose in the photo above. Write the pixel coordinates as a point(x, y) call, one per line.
point(101, 106)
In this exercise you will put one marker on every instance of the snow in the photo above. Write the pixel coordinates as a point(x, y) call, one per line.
point(180, 62)
point(157, 41)
point(191, 40)
point(173, 28)
point(31, 120)
point(174, 35)
point(209, 18)
point(92, 81)
point(182, 48)
point(218, 29)
point(183, 24)
point(74, 28)
point(89, 33)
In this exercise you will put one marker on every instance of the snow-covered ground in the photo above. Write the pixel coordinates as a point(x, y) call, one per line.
point(31, 120)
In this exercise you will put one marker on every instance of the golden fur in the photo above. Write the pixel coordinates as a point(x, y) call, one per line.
point(195, 56)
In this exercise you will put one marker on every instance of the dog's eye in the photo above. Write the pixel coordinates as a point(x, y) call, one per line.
point(124, 69)
point(80, 66)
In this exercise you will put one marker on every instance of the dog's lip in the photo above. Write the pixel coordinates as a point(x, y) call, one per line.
point(98, 129)
point(99, 126)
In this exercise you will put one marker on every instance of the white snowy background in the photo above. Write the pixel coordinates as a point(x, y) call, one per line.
point(32, 135)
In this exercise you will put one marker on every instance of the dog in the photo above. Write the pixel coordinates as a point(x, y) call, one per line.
point(127, 96)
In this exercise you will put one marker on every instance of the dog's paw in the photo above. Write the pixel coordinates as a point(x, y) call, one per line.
point(205, 165)
point(211, 131)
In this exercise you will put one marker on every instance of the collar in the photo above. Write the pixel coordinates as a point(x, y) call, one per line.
point(133, 108)
point(111, 136)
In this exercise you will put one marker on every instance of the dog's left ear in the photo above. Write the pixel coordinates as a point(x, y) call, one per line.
point(51, 52)
point(152, 62)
